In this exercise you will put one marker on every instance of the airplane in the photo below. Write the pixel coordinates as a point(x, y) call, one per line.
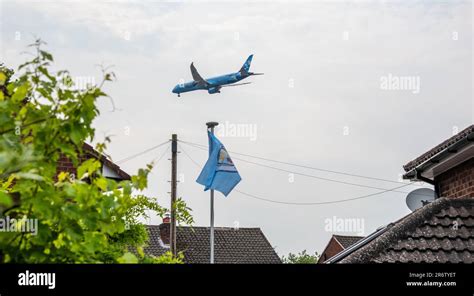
point(213, 85)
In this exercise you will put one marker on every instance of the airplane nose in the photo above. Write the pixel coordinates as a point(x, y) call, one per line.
point(175, 89)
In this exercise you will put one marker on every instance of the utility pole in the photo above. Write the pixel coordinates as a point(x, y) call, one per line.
point(174, 159)
point(211, 125)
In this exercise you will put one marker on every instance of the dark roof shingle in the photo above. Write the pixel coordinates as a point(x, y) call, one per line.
point(441, 232)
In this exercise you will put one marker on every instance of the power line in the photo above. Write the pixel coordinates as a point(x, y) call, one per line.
point(316, 177)
point(307, 203)
point(142, 152)
point(322, 202)
point(160, 157)
point(302, 166)
point(190, 158)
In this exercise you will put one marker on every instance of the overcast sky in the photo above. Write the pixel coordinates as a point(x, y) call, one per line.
point(322, 101)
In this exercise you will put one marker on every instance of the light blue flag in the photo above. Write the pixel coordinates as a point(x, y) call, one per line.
point(219, 173)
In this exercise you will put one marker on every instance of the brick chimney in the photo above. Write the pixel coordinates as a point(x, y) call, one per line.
point(165, 228)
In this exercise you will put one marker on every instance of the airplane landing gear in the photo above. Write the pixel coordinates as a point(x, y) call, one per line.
point(179, 95)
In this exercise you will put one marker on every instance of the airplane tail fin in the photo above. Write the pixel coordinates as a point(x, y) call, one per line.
point(246, 67)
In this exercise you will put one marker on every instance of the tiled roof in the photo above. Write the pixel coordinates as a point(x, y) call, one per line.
point(155, 247)
point(242, 245)
point(347, 240)
point(466, 133)
point(440, 232)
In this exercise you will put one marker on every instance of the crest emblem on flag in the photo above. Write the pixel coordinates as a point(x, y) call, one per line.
point(224, 163)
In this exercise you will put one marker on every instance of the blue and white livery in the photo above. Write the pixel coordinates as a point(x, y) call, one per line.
point(213, 85)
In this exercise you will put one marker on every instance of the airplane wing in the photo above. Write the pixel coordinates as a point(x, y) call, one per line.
point(197, 77)
point(236, 84)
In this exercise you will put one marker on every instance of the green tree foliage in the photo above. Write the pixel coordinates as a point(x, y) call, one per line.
point(82, 218)
point(301, 258)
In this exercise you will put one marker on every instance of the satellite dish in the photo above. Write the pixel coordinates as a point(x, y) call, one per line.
point(420, 197)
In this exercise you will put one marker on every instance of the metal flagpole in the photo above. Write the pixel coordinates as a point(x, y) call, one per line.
point(211, 125)
point(174, 172)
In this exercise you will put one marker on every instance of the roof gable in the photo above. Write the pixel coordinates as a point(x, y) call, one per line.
point(110, 169)
point(347, 240)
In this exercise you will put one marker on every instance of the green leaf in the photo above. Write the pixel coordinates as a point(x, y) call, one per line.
point(46, 55)
point(5, 199)
point(59, 242)
point(20, 93)
point(76, 136)
point(3, 78)
point(101, 183)
point(128, 258)
point(89, 166)
point(45, 72)
point(29, 175)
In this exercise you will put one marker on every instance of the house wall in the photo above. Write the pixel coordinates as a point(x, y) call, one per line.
point(66, 165)
point(332, 249)
point(457, 182)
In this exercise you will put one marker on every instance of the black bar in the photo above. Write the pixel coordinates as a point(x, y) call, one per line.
point(381, 279)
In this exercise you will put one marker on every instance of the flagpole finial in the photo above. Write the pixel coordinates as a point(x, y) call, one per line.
point(212, 124)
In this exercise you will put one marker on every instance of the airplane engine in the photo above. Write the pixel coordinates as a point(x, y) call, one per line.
point(214, 90)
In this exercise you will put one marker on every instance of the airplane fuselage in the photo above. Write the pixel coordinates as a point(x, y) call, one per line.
point(214, 83)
